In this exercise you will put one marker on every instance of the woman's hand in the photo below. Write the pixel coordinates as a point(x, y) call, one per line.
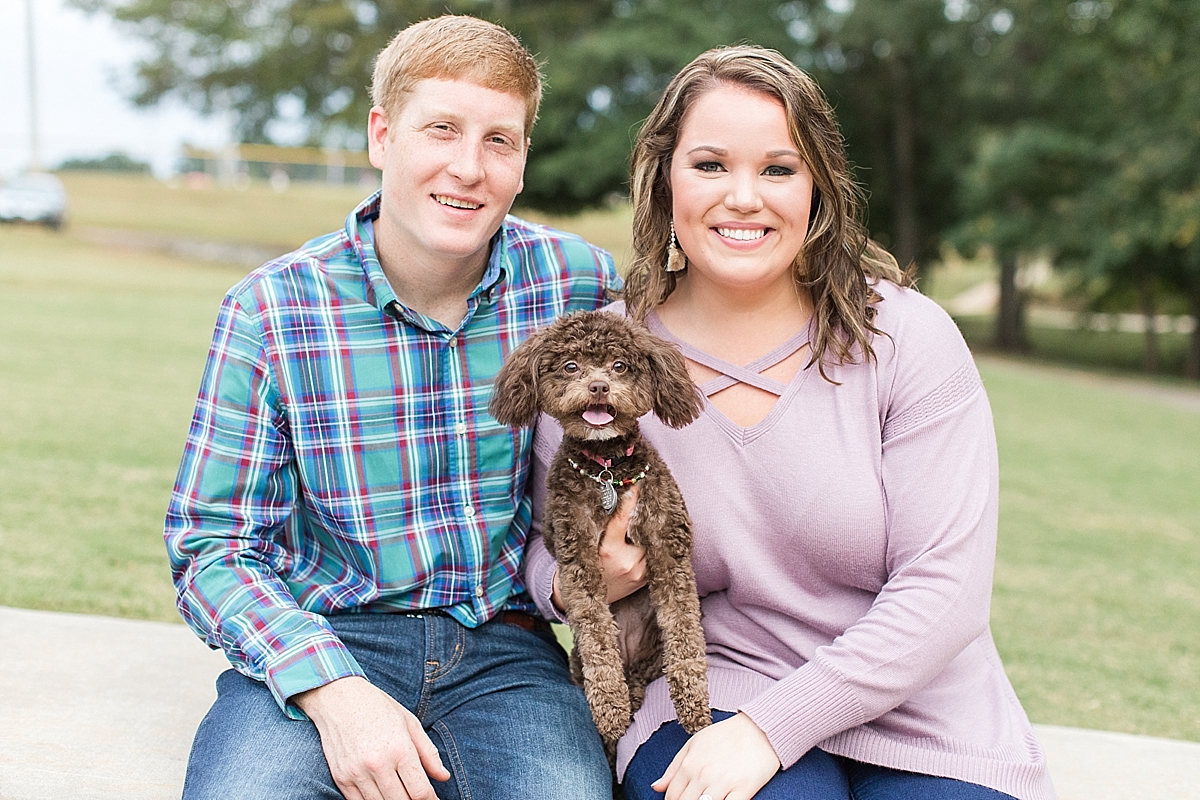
point(728, 760)
point(622, 564)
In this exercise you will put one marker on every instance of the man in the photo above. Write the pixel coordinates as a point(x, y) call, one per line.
point(348, 521)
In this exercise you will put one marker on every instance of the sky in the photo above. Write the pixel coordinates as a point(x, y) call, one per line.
point(81, 60)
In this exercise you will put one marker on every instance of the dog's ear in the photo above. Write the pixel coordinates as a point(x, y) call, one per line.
point(515, 395)
point(677, 401)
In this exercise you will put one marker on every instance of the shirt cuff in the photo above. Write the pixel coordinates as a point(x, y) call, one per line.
point(317, 663)
point(804, 709)
point(540, 568)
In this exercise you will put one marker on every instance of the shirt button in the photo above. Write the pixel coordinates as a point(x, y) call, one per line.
point(454, 342)
point(461, 429)
point(479, 590)
point(469, 510)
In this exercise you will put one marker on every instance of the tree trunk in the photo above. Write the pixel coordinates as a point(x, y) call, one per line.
point(1010, 322)
point(1149, 313)
point(1192, 368)
point(904, 137)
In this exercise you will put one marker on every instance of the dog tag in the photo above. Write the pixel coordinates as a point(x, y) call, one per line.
point(608, 497)
point(608, 492)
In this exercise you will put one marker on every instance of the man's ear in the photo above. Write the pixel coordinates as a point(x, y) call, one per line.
point(524, 163)
point(377, 136)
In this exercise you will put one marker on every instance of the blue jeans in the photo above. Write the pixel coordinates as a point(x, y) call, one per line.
point(816, 776)
point(496, 700)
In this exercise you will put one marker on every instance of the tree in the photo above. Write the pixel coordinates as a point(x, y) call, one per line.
point(1089, 147)
point(896, 70)
point(303, 66)
point(605, 78)
point(1026, 125)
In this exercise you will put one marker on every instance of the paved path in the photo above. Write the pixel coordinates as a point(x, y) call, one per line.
point(1180, 395)
point(94, 708)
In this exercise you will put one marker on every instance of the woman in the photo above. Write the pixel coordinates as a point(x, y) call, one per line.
point(842, 478)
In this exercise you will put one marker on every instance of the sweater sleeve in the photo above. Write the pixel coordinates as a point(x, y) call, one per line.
point(540, 566)
point(940, 481)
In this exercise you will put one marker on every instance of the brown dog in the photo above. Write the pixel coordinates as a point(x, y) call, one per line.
point(596, 373)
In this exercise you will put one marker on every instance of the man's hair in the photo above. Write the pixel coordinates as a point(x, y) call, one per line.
point(454, 47)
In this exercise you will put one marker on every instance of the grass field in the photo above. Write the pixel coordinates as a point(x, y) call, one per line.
point(257, 215)
point(1096, 607)
point(100, 357)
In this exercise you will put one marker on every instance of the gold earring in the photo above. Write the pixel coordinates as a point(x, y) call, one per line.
point(676, 259)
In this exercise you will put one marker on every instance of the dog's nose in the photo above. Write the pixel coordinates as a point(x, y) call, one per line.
point(598, 389)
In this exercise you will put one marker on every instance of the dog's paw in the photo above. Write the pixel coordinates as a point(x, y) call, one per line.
point(612, 718)
point(695, 718)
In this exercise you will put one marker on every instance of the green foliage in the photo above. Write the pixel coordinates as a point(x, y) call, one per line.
point(895, 70)
point(888, 65)
point(1090, 149)
point(603, 80)
point(1068, 128)
point(113, 162)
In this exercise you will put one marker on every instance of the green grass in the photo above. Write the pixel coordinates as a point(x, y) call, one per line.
point(100, 358)
point(1096, 608)
point(258, 215)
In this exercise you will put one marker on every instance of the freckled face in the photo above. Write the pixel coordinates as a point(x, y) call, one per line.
point(741, 192)
point(452, 162)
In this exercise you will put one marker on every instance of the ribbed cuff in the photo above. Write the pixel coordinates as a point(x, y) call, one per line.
point(540, 568)
point(807, 707)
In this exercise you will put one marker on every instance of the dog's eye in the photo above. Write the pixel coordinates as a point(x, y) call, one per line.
point(570, 368)
point(619, 367)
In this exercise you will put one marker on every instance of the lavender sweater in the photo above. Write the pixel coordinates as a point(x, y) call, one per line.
point(844, 553)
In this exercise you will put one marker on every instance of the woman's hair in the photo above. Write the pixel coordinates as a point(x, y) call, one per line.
point(454, 47)
point(838, 263)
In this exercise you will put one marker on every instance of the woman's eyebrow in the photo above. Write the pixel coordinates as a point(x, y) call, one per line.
point(721, 151)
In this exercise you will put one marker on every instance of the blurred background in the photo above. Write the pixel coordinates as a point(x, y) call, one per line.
point(1035, 162)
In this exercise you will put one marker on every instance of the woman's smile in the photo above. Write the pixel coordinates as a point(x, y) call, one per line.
point(741, 192)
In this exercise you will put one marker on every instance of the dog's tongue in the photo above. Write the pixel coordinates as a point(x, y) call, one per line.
point(597, 415)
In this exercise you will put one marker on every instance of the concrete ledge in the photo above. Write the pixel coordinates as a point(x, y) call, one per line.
point(94, 708)
point(1101, 765)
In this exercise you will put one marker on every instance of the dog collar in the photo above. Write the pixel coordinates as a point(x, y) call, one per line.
point(608, 486)
point(605, 462)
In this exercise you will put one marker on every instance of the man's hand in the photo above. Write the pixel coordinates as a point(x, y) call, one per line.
point(622, 564)
point(376, 748)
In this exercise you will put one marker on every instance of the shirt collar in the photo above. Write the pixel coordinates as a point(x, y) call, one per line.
point(360, 228)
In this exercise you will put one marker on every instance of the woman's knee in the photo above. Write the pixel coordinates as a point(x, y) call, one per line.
point(871, 782)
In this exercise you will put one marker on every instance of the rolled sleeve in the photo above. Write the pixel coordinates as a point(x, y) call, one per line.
point(234, 493)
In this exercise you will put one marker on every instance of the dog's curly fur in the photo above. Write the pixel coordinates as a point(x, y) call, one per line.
point(597, 359)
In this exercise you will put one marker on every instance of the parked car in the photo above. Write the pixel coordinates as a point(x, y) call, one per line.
point(33, 197)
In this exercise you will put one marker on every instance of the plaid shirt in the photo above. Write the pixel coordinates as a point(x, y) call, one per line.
point(341, 457)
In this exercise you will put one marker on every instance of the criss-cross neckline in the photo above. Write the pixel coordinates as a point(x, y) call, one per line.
point(749, 374)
